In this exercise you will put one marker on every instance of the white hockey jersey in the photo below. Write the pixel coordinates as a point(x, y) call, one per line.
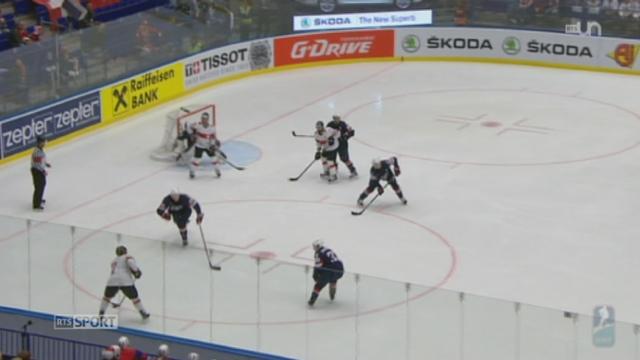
point(122, 269)
point(205, 136)
point(328, 140)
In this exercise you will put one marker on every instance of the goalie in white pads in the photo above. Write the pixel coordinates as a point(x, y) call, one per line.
point(179, 207)
point(205, 141)
point(124, 271)
point(327, 142)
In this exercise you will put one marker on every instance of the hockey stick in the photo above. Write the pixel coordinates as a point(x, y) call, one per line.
point(301, 135)
point(206, 251)
point(303, 171)
point(118, 304)
point(224, 159)
point(369, 203)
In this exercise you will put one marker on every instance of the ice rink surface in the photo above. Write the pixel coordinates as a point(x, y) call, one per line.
point(522, 185)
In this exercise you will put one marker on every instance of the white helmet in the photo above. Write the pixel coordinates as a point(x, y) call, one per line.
point(317, 244)
point(376, 163)
point(174, 193)
point(163, 350)
point(193, 356)
point(123, 341)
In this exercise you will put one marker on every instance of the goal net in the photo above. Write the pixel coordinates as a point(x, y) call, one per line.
point(177, 121)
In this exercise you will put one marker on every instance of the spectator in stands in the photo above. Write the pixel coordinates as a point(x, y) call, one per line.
point(625, 9)
point(128, 352)
point(245, 18)
point(69, 66)
point(88, 19)
point(593, 7)
point(148, 36)
point(635, 9)
point(610, 7)
point(112, 352)
point(4, 29)
point(17, 75)
point(163, 352)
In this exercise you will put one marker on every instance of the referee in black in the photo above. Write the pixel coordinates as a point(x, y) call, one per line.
point(39, 172)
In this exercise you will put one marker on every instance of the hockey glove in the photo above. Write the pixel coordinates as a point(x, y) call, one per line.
point(380, 190)
point(137, 274)
point(165, 215)
point(317, 155)
point(396, 171)
point(199, 218)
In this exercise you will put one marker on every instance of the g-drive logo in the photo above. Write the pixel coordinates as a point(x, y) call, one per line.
point(20, 133)
point(85, 322)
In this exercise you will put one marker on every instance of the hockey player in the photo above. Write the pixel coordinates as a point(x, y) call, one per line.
point(327, 270)
point(124, 271)
point(381, 170)
point(179, 207)
point(346, 132)
point(327, 142)
point(205, 142)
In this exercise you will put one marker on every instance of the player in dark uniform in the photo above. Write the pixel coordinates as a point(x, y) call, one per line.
point(179, 207)
point(328, 269)
point(382, 170)
point(346, 132)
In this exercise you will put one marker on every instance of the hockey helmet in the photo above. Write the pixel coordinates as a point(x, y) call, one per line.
point(376, 163)
point(336, 118)
point(121, 250)
point(40, 139)
point(317, 244)
point(123, 341)
point(175, 194)
point(319, 125)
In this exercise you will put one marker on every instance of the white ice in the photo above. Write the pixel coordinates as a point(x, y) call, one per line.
point(522, 185)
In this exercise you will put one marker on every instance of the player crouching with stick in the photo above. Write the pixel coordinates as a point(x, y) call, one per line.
point(179, 207)
point(381, 170)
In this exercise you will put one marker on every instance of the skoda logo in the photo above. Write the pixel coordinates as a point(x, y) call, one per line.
point(411, 43)
point(306, 23)
point(511, 45)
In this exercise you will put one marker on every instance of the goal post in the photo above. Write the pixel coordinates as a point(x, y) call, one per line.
point(176, 122)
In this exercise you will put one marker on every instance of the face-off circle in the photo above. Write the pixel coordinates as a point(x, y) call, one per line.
point(496, 127)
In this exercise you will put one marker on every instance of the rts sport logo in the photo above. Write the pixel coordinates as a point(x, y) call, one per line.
point(625, 55)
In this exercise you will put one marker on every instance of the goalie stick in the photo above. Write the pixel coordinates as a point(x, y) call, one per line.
point(206, 251)
point(301, 135)
point(224, 159)
point(303, 171)
point(369, 203)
